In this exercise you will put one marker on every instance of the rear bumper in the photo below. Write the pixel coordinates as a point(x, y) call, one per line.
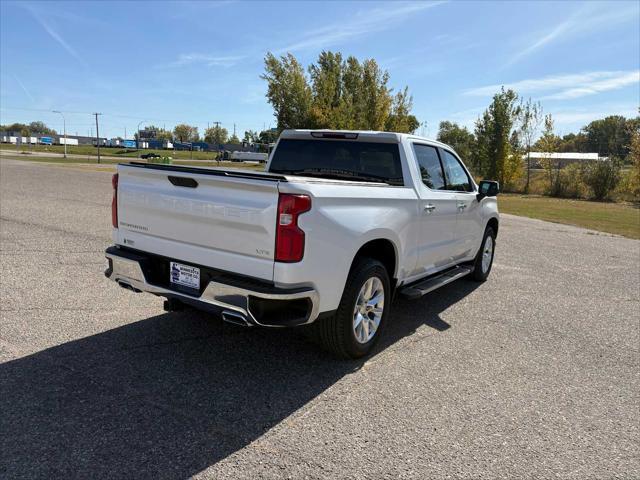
point(237, 301)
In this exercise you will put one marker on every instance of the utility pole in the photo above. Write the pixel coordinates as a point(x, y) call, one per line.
point(97, 135)
point(217, 125)
point(64, 123)
point(234, 129)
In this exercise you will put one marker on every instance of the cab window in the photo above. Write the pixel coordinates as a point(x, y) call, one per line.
point(456, 176)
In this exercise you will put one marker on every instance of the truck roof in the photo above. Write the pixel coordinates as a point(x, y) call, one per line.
point(363, 135)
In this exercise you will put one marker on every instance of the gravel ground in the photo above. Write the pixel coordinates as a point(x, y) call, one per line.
point(534, 374)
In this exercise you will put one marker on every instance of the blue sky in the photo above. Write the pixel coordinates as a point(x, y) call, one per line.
point(197, 62)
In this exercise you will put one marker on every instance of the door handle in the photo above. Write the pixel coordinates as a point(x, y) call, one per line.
point(429, 207)
point(462, 206)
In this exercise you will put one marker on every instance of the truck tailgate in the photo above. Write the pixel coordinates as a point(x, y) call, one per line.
point(220, 219)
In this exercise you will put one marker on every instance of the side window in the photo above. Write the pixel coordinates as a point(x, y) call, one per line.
point(430, 167)
point(457, 178)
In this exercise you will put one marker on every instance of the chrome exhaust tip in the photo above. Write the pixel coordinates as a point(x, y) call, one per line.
point(235, 318)
point(128, 287)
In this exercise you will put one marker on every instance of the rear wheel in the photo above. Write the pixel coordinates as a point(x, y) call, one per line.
point(360, 318)
point(484, 259)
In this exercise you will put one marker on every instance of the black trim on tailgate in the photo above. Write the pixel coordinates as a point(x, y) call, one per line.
point(269, 177)
point(156, 271)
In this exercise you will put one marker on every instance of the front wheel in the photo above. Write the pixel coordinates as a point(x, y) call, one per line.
point(484, 259)
point(360, 318)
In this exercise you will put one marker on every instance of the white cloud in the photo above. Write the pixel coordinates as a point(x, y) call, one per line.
point(558, 31)
point(592, 17)
point(24, 89)
point(206, 59)
point(572, 120)
point(586, 116)
point(562, 87)
point(54, 34)
point(613, 83)
point(362, 23)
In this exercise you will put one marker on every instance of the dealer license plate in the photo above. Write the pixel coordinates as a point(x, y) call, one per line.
point(185, 275)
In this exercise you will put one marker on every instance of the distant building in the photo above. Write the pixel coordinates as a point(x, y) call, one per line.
point(16, 137)
point(564, 158)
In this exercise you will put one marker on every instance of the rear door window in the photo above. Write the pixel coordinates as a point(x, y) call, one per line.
point(339, 159)
point(430, 166)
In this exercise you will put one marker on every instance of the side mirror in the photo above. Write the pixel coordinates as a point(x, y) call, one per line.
point(488, 188)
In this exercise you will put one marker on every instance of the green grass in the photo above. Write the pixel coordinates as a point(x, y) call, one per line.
point(90, 150)
point(620, 219)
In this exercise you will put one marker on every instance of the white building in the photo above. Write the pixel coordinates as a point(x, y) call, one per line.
point(564, 158)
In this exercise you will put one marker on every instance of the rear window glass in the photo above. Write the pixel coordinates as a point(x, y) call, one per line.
point(339, 159)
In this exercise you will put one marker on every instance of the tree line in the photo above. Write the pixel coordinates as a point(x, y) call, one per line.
point(181, 133)
point(185, 133)
point(511, 127)
point(28, 129)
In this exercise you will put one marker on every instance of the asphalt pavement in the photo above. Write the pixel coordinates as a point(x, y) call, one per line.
point(533, 374)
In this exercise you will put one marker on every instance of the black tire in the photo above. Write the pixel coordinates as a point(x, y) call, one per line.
point(480, 274)
point(336, 333)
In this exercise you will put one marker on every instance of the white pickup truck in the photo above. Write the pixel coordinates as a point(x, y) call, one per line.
point(339, 223)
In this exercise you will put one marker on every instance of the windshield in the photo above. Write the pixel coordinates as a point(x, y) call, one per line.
point(339, 159)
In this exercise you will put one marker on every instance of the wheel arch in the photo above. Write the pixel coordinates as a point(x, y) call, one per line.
point(493, 223)
point(383, 250)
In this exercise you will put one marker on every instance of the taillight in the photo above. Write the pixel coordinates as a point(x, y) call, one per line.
point(289, 237)
point(114, 201)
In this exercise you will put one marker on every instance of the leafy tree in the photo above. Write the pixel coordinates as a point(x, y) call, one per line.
point(337, 94)
point(251, 136)
point(186, 133)
point(376, 96)
point(573, 142)
point(33, 128)
point(493, 134)
point(233, 139)
point(288, 91)
point(459, 138)
point(268, 136)
point(39, 128)
point(161, 133)
point(634, 156)
point(548, 144)
point(329, 108)
point(602, 177)
point(352, 80)
point(481, 154)
point(216, 135)
point(609, 136)
point(264, 137)
point(513, 166)
point(530, 120)
point(400, 118)
point(165, 135)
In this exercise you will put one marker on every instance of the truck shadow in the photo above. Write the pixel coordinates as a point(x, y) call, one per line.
point(168, 396)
